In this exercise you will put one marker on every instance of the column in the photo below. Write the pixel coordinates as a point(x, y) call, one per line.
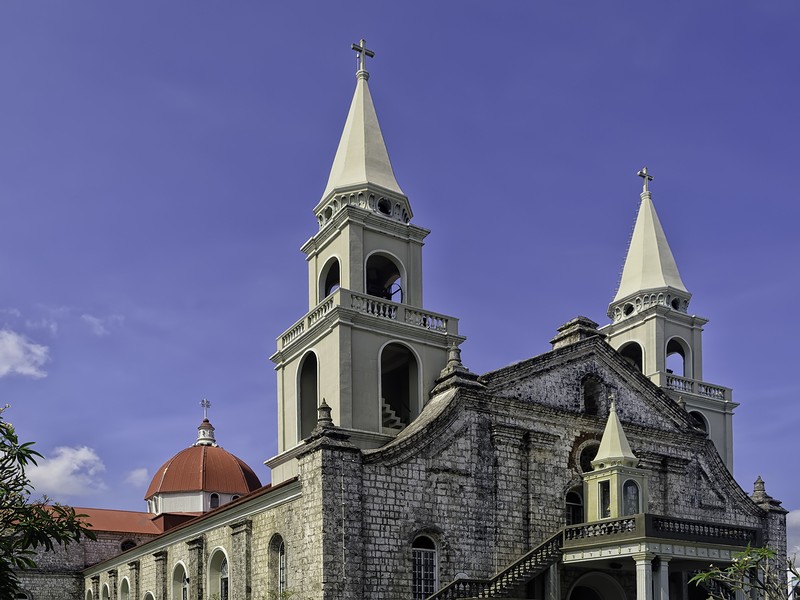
point(553, 582)
point(644, 576)
point(662, 591)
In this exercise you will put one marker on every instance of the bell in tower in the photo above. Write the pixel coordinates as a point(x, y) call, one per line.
point(366, 344)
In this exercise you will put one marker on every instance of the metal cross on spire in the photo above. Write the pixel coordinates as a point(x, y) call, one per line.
point(205, 404)
point(647, 178)
point(363, 53)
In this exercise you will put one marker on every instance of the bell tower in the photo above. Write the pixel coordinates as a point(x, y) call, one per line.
point(366, 345)
point(653, 329)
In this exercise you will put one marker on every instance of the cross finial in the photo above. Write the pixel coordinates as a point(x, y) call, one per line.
point(363, 53)
point(205, 404)
point(647, 178)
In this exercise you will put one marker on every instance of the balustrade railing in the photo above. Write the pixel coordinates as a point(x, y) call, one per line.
point(601, 529)
point(505, 582)
point(373, 306)
point(426, 320)
point(656, 526)
point(690, 386)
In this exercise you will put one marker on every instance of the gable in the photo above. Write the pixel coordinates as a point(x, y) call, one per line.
point(557, 380)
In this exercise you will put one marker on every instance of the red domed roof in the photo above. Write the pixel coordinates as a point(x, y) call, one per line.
point(203, 468)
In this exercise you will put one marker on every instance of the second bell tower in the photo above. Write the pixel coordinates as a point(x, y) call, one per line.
point(366, 346)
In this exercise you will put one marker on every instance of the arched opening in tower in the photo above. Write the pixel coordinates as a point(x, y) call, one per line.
point(307, 396)
point(399, 387)
point(384, 278)
point(676, 358)
point(632, 352)
point(330, 279)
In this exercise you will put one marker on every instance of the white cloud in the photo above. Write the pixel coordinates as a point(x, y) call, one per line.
point(12, 312)
point(138, 477)
point(20, 355)
point(68, 472)
point(44, 323)
point(101, 326)
point(793, 533)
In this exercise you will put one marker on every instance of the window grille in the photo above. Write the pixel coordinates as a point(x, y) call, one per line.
point(424, 568)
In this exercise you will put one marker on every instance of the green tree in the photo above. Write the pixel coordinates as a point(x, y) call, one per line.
point(27, 525)
point(755, 569)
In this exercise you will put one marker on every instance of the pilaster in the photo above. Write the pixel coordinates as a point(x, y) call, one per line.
point(241, 582)
point(196, 570)
point(134, 570)
point(160, 559)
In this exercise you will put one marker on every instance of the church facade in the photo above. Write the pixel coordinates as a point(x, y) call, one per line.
point(598, 470)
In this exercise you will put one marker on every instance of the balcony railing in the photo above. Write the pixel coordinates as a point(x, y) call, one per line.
point(691, 386)
point(656, 526)
point(373, 306)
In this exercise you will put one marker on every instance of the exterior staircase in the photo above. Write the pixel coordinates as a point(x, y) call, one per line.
point(390, 421)
point(510, 582)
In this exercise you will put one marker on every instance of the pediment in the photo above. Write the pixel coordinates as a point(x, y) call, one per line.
point(557, 380)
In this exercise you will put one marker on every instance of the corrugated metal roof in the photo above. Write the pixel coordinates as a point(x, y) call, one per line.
point(204, 468)
point(104, 519)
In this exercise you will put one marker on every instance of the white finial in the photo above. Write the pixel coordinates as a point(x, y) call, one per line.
point(206, 405)
point(363, 53)
point(647, 178)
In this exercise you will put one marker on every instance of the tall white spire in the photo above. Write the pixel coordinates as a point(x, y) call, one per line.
point(361, 157)
point(649, 264)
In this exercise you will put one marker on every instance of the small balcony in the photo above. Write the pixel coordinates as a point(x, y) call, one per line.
point(658, 527)
point(378, 308)
point(684, 385)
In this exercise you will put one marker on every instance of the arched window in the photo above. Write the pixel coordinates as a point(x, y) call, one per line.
point(425, 569)
point(282, 567)
point(106, 593)
point(330, 278)
point(149, 596)
point(384, 278)
point(308, 395)
point(277, 566)
point(676, 358)
point(124, 590)
point(88, 595)
point(399, 387)
point(632, 352)
point(631, 498)
point(213, 501)
point(218, 575)
point(699, 420)
point(593, 391)
point(180, 583)
point(574, 503)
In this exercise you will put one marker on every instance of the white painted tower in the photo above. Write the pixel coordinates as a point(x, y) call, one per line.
point(652, 328)
point(366, 346)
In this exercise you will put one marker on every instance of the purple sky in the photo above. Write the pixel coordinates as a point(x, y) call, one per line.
point(159, 163)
